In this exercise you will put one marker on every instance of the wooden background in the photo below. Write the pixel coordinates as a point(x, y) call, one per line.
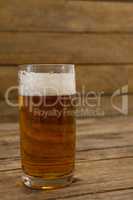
point(95, 35)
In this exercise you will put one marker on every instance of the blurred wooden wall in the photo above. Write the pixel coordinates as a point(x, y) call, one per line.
point(95, 35)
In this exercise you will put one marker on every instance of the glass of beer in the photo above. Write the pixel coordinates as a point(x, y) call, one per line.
point(47, 124)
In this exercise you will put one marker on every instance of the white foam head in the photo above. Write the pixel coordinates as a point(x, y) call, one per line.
point(46, 84)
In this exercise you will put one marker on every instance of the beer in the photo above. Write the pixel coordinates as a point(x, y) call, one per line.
point(47, 124)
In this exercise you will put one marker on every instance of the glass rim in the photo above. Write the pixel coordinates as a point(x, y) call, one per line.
point(46, 65)
point(47, 68)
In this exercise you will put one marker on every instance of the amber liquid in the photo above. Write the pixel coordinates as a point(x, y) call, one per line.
point(47, 136)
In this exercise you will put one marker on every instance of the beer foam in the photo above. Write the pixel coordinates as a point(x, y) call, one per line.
point(46, 84)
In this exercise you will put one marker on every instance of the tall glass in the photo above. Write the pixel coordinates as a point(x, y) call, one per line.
point(47, 124)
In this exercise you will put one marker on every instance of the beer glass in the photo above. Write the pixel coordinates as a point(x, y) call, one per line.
point(47, 124)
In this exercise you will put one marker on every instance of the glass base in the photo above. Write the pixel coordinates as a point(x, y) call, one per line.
point(47, 184)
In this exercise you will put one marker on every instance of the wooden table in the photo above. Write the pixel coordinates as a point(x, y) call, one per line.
point(104, 162)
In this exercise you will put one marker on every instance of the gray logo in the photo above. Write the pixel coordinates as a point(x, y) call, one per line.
point(123, 92)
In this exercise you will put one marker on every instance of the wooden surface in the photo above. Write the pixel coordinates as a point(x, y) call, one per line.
point(130, 79)
point(66, 16)
point(97, 36)
point(104, 162)
point(40, 47)
point(66, 31)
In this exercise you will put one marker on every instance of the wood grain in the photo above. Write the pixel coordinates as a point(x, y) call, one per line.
point(90, 140)
point(130, 78)
point(19, 48)
point(91, 137)
point(112, 195)
point(66, 16)
point(102, 172)
point(92, 179)
point(98, 35)
point(90, 155)
point(98, 78)
point(8, 113)
point(116, 172)
point(8, 78)
point(130, 104)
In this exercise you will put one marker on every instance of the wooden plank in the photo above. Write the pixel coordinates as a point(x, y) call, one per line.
point(130, 104)
point(91, 178)
point(93, 126)
point(9, 73)
point(14, 162)
point(104, 78)
point(100, 170)
point(112, 195)
point(130, 78)
point(66, 16)
point(91, 137)
point(18, 48)
point(8, 113)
